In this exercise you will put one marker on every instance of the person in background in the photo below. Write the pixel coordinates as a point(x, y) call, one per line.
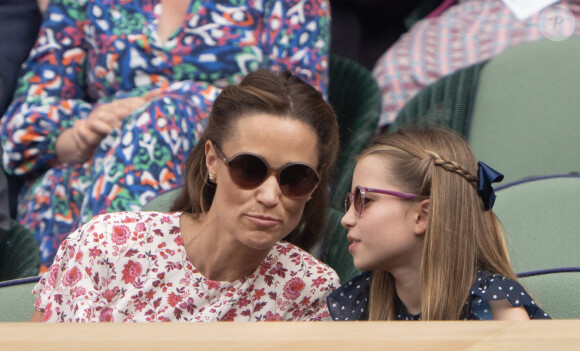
point(457, 34)
point(115, 95)
point(421, 228)
point(230, 251)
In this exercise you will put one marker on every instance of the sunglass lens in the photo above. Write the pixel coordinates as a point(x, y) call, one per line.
point(347, 202)
point(247, 171)
point(298, 180)
point(357, 201)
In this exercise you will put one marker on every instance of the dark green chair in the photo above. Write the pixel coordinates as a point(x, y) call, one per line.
point(19, 253)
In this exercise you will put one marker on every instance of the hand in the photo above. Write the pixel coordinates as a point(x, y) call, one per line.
point(78, 143)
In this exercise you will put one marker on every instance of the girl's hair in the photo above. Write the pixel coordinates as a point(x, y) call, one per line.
point(278, 94)
point(461, 237)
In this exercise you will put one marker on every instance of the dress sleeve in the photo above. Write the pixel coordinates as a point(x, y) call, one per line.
point(489, 287)
point(296, 37)
point(51, 92)
point(58, 284)
point(350, 301)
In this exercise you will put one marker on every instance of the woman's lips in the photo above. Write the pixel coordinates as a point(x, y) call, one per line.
point(264, 221)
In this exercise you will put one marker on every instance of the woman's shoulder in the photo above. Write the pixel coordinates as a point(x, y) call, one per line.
point(492, 287)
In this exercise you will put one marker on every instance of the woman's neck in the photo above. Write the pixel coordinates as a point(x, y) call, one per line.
point(213, 252)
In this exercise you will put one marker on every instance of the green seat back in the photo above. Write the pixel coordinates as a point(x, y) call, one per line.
point(526, 118)
point(19, 253)
point(556, 293)
point(16, 300)
point(541, 218)
point(356, 98)
point(162, 202)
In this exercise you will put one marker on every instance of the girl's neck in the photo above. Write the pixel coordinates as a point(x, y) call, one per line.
point(213, 252)
point(408, 287)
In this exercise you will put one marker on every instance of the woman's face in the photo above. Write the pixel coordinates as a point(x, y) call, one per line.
point(384, 236)
point(258, 218)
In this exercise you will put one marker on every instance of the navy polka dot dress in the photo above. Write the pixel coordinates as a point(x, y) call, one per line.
point(351, 300)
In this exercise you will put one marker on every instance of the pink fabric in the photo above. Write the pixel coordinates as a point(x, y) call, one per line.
point(468, 32)
point(132, 267)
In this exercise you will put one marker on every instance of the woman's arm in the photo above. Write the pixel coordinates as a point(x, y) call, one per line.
point(503, 310)
point(36, 316)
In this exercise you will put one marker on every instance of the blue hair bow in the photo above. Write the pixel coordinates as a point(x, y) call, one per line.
point(487, 176)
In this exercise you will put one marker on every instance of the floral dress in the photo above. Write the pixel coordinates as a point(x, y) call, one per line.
point(351, 300)
point(91, 52)
point(132, 266)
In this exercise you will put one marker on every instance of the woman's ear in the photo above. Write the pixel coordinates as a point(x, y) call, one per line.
point(210, 157)
point(422, 217)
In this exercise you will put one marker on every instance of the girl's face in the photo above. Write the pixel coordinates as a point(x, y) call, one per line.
point(258, 218)
point(388, 234)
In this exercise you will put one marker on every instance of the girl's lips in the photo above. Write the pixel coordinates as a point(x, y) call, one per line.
point(353, 243)
point(263, 220)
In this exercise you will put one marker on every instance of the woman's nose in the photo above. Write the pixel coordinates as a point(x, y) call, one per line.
point(269, 191)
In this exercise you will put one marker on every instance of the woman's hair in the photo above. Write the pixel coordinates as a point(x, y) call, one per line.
point(461, 237)
point(278, 94)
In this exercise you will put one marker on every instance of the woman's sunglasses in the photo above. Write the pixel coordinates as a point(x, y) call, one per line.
point(249, 171)
point(358, 197)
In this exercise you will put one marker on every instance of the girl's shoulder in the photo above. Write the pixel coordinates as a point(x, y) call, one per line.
point(350, 301)
point(491, 287)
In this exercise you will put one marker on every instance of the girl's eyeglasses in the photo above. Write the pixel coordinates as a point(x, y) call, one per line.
point(358, 197)
point(249, 171)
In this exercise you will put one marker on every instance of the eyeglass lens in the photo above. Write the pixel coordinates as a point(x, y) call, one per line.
point(249, 171)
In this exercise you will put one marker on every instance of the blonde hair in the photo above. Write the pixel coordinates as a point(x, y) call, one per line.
point(461, 237)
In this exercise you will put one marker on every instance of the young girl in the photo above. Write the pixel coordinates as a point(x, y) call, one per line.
point(420, 224)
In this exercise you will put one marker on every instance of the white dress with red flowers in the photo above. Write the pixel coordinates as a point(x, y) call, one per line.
point(132, 266)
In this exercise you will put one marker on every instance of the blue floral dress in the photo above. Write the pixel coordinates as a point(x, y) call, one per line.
point(91, 52)
point(351, 300)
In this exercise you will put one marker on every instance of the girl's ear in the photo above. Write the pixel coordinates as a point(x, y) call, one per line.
point(422, 217)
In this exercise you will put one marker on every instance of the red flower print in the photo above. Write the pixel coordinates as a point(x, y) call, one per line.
point(212, 284)
point(270, 317)
point(229, 316)
point(318, 281)
point(71, 277)
point(109, 294)
point(131, 271)
point(174, 299)
point(293, 288)
point(106, 315)
point(94, 252)
point(120, 234)
point(258, 293)
point(47, 313)
point(140, 227)
point(178, 240)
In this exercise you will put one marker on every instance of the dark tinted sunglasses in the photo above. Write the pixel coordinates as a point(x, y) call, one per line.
point(358, 197)
point(249, 171)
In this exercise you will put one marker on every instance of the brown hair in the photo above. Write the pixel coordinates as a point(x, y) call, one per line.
point(461, 237)
point(278, 94)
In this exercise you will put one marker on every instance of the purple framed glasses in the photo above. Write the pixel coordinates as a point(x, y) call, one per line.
point(358, 197)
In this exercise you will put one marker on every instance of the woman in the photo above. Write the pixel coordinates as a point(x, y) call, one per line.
point(420, 224)
point(115, 94)
point(257, 176)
